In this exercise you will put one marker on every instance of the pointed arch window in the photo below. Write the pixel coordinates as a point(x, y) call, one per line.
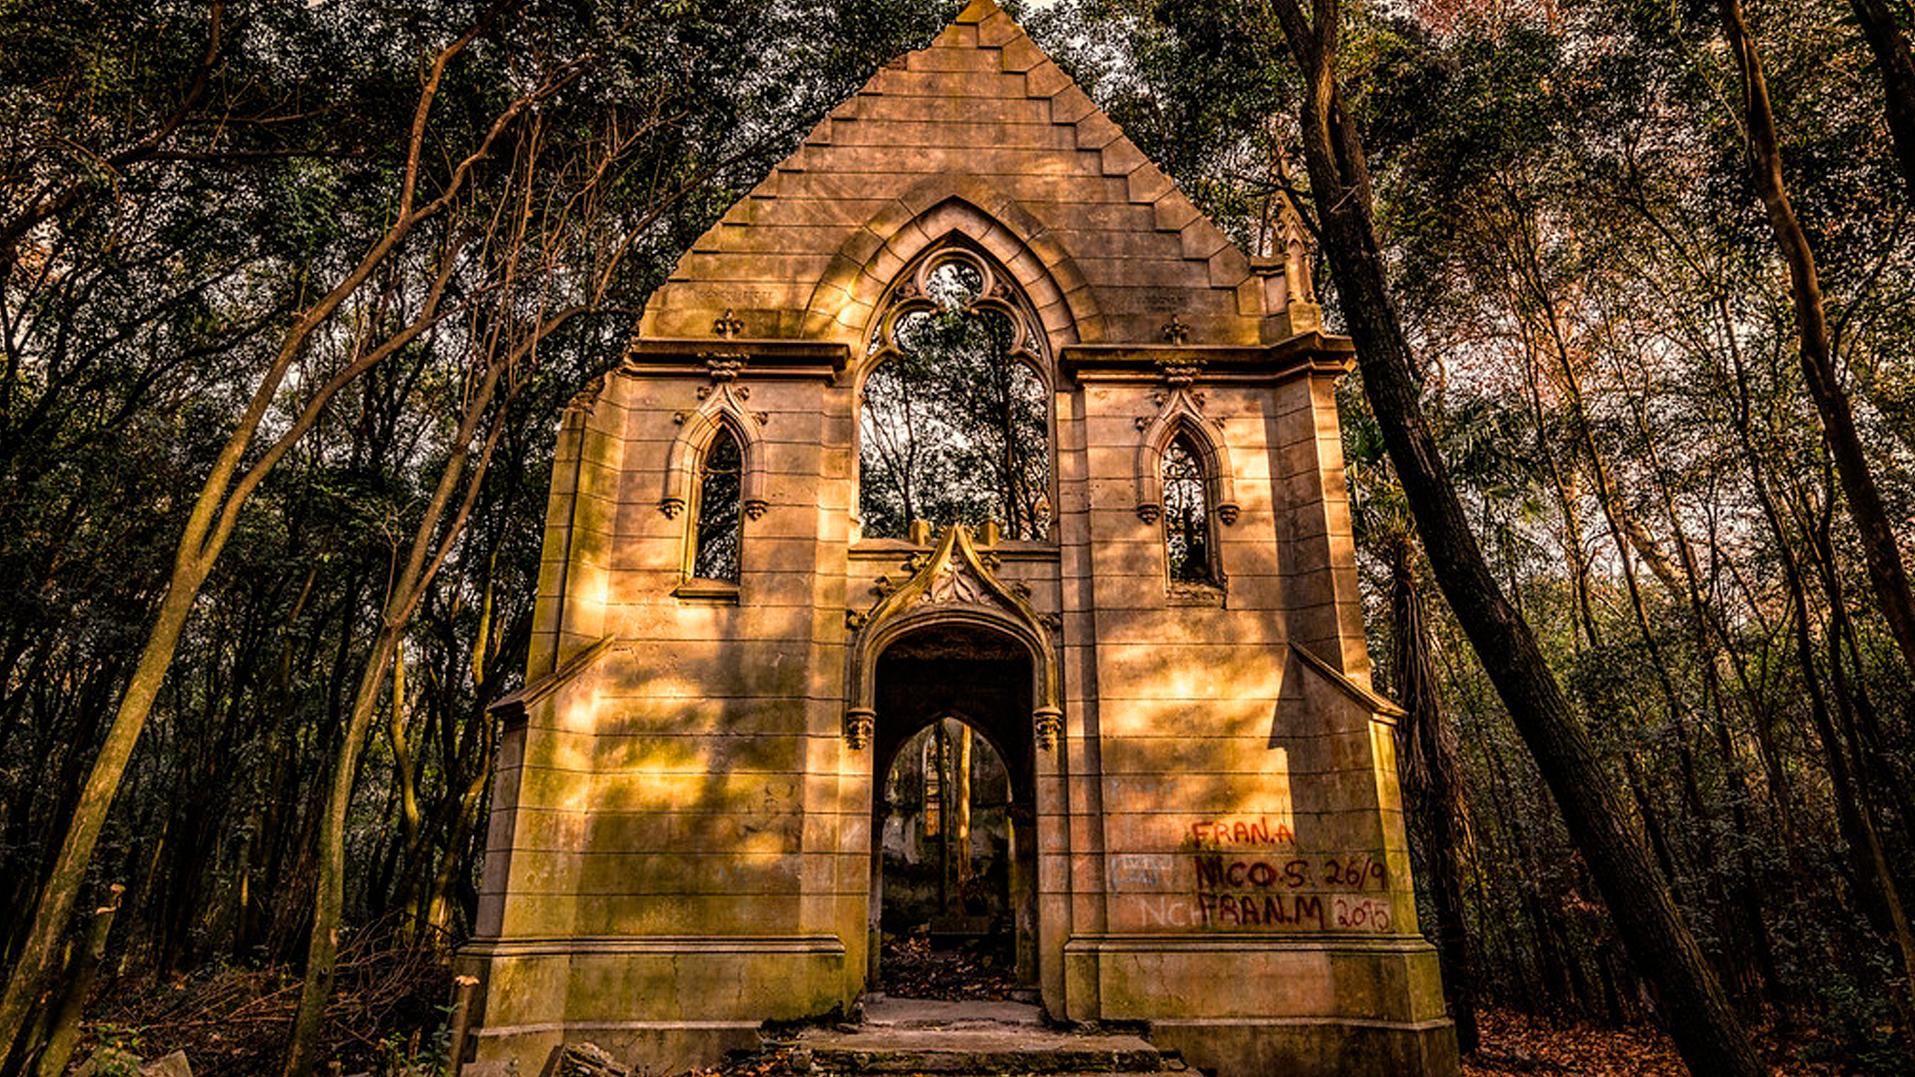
point(954, 412)
point(719, 528)
point(1189, 547)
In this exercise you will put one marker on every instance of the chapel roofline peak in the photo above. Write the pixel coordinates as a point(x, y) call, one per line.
point(977, 11)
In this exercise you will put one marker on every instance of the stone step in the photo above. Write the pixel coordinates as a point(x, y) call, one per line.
point(978, 1050)
point(966, 1039)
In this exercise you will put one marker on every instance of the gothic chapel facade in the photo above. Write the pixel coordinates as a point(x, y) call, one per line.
point(765, 568)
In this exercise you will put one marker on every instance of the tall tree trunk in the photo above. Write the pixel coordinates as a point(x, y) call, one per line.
point(1867, 861)
point(961, 807)
point(431, 541)
point(1890, 46)
point(1702, 1021)
point(215, 512)
point(1426, 753)
point(1879, 548)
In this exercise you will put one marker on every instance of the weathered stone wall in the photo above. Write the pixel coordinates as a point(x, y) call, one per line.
point(680, 845)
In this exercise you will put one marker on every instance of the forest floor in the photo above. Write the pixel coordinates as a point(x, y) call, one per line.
point(388, 1014)
point(1514, 1042)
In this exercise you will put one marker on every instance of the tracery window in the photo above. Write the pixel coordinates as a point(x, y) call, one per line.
point(1187, 539)
point(720, 527)
point(955, 418)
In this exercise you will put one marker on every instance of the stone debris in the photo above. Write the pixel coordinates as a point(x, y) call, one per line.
point(110, 1061)
point(173, 1065)
point(589, 1060)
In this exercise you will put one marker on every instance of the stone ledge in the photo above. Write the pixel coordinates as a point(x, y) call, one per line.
point(655, 944)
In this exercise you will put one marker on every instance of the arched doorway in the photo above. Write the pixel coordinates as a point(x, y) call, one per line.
point(939, 686)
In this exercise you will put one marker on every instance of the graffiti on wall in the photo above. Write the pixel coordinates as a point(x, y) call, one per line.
point(1247, 874)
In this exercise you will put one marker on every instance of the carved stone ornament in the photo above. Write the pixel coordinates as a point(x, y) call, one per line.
point(723, 367)
point(952, 584)
point(1180, 370)
point(1180, 410)
point(859, 722)
point(1046, 724)
point(721, 404)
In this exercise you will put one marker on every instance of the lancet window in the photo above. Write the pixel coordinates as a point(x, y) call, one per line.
point(719, 530)
point(954, 419)
point(1188, 548)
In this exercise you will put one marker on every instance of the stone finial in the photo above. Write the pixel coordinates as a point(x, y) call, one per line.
point(1304, 312)
point(1176, 333)
point(727, 325)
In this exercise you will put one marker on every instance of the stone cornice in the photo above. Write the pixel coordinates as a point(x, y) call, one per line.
point(1312, 353)
point(1379, 706)
point(760, 358)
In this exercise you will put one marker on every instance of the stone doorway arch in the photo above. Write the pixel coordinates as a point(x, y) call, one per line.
point(980, 678)
point(953, 586)
point(952, 639)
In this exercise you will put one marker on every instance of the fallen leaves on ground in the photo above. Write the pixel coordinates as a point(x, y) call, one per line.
point(387, 1004)
point(974, 971)
point(1514, 1042)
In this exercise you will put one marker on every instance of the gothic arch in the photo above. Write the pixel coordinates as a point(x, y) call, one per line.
point(1002, 292)
point(951, 586)
point(995, 291)
point(1182, 413)
point(932, 213)
point(723, 408)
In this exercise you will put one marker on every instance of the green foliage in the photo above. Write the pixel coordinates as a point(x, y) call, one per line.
point(1602, 327)
point(163, 219)
point(1605, 342)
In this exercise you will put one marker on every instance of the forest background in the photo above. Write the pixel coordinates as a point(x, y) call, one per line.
point(294, 295)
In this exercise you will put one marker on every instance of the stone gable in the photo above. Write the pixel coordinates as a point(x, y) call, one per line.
point(980, 118)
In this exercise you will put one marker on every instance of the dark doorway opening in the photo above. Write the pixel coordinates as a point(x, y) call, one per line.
point(953, 860)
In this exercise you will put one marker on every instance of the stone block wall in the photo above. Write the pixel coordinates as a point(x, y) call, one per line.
point(680, 845)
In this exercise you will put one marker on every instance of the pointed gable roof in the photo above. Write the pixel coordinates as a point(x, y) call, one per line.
point(982, 134)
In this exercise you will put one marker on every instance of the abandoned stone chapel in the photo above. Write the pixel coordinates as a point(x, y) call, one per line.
point(957, 568)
